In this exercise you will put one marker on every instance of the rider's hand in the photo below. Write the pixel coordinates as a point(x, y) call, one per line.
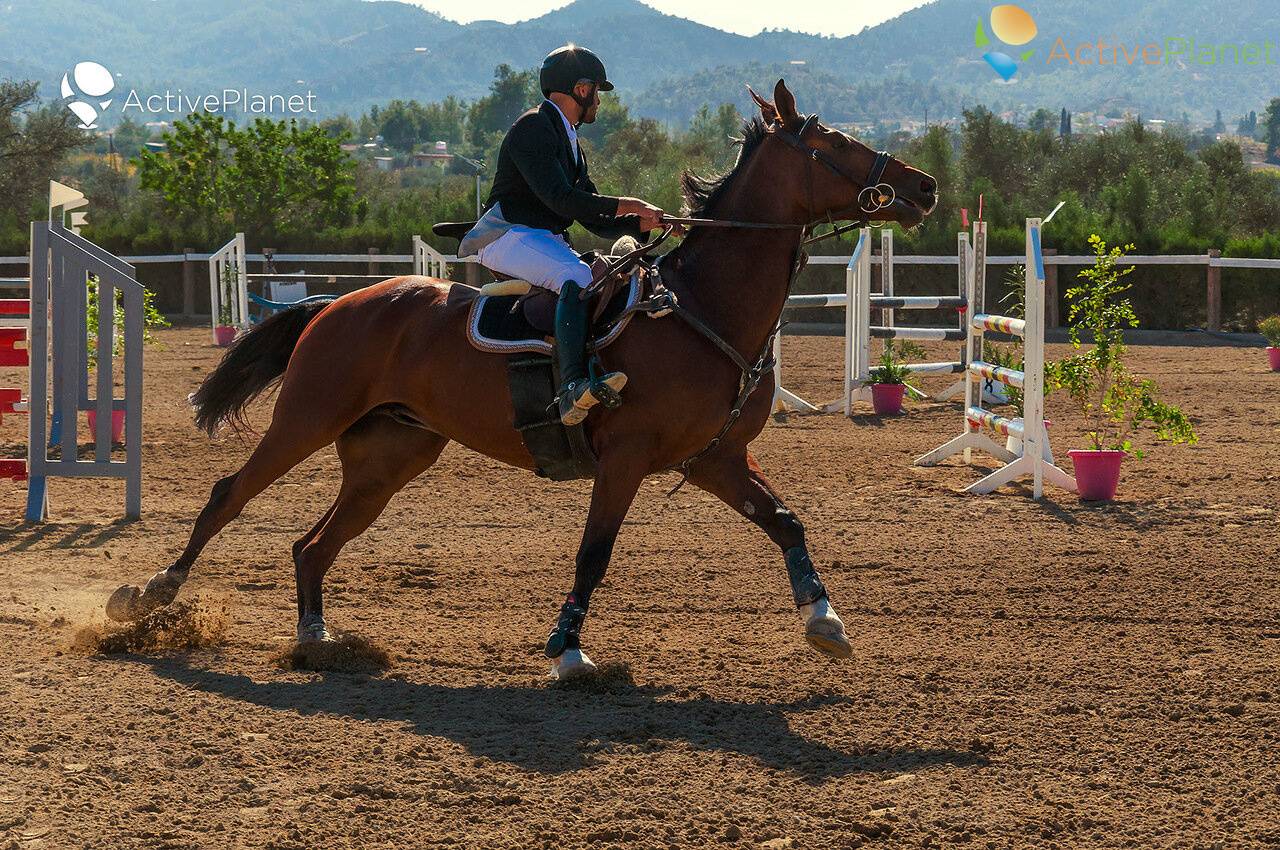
point(650, 216)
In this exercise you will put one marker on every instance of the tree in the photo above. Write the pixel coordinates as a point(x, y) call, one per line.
point(268, 179)
point(340, 128)
point(401, 124)
point(1064, 123)
point(1271, 130)
point(1040, 122)
point(612, 116)
point(33, 141)
point(1218, 125)
point(510, 93)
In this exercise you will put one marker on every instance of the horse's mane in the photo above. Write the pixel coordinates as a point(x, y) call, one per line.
point(701, 193)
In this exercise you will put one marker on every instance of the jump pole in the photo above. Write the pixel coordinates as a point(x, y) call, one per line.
point(1031, 429)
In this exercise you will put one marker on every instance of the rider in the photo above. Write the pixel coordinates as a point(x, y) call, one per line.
point(540, 188)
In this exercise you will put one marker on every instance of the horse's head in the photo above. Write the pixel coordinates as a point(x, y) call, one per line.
point(844, 179)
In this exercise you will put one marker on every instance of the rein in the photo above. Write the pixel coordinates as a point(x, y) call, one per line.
point(874, 195)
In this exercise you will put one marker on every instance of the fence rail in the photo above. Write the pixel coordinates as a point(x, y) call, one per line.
point(1213, 263)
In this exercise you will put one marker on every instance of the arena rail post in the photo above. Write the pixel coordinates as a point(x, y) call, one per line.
point(427, 261)
point(1031, 430)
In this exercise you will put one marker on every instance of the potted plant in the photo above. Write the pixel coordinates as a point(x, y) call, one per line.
point(224, 333)
point(1270, 328)
point(1115, 402)
point(888, 382)
point(151, 318)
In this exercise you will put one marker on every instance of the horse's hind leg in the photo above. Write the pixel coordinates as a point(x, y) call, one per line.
point(738, 481)
point(286, 443)
point(379, 456)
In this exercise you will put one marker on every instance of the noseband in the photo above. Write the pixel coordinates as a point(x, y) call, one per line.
point(874, 194)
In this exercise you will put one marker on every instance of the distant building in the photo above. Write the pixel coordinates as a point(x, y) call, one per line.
point(384, 163)
point(438, 156)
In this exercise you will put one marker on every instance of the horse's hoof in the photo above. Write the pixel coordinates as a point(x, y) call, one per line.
point(314, 631)
point(824, 630)
point(123, 604)
point(571, 664)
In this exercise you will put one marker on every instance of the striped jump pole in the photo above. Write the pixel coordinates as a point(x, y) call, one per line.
point(977, 420)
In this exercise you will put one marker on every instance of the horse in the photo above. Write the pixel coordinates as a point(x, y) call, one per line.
point(402, 344)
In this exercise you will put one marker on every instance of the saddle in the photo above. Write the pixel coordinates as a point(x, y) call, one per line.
point(515, 318)
point(511, 316)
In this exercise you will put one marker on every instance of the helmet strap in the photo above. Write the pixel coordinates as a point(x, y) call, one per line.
point(584, 103)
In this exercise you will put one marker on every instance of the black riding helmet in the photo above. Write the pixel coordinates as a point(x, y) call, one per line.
point(567, 66)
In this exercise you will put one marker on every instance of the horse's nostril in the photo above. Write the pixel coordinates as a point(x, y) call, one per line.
point(929, 186)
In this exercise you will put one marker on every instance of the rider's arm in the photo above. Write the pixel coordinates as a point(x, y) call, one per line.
point(533, 149)
point(611, 226)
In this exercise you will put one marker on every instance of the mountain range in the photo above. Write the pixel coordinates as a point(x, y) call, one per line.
point(355, 53)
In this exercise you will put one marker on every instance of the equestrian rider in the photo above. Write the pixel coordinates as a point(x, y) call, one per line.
point(540, 188)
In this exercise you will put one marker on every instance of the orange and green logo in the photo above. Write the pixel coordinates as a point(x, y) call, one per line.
point(1012, 25)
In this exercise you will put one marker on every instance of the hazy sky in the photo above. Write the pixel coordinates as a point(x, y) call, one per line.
point(828, 17)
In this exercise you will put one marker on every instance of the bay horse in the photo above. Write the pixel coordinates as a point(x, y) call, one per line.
point(403, 343)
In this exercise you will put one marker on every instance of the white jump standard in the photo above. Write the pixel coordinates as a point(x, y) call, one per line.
point(858, 302)
point(1030, 429)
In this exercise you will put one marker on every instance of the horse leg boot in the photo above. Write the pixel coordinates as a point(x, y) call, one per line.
point(578, 393)
point(616, 484)
point(738, 481)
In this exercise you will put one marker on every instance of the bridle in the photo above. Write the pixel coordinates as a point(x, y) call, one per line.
point(874, 194)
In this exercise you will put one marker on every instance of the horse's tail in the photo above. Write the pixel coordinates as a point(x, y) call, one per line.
point(254, 363)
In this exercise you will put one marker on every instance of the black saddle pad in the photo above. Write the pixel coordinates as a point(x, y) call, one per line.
point(505, 323)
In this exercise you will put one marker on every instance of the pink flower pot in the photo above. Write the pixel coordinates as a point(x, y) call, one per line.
point(224, 334)
point(887, 398)
point(1097, 473)
point(117, 425)
point(1273, 354)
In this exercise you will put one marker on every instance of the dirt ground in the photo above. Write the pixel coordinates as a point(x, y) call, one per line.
point(1025, 674)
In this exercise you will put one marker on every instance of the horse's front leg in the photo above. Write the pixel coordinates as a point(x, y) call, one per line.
point(736, 479)
point(618, 479)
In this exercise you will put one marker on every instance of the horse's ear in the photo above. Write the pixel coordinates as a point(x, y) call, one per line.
point(767, 110)
point(785, 103)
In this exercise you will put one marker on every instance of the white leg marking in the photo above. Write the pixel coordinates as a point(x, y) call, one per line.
point(571, 663)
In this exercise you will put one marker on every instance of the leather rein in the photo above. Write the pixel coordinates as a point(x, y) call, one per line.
point(874, 195)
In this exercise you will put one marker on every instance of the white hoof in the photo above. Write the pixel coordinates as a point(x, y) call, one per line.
point(571, 664)
point(824, 630)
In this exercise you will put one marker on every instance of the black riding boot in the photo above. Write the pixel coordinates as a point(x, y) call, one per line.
point(579, 393)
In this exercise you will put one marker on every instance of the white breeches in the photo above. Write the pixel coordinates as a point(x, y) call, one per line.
point(539, 256)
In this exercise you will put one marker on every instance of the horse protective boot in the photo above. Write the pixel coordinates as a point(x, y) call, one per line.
point(579, 392)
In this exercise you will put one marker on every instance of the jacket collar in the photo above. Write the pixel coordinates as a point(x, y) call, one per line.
point(553, 114)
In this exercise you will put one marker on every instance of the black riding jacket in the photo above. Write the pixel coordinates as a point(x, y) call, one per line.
point(540, 184)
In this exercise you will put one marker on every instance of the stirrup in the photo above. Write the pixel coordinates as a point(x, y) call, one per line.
point(577, 398)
